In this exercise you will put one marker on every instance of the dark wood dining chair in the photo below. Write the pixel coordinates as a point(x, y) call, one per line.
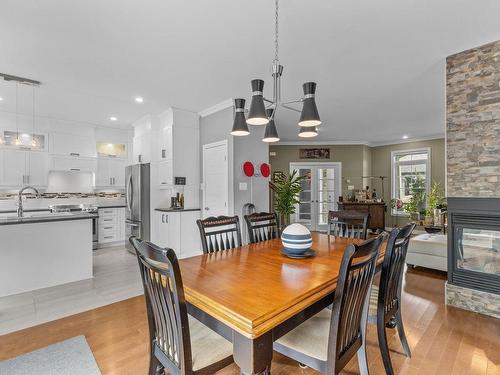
point(329, 340)
point(179, 344)
point(385, 300)
point(262, 226)
point(219, 233)
point(348, 224)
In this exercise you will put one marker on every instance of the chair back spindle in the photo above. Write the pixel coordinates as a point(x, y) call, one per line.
point(219, 233)
point(348, 224)
point(262, 226)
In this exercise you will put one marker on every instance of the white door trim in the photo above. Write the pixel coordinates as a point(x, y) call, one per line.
point(312, 165)
point(228, 175)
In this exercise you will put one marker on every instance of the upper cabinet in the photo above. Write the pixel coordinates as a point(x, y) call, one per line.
point(22, 167)
point(141, 152)
point(110, 172)
point(177, 148)
point(72, 144)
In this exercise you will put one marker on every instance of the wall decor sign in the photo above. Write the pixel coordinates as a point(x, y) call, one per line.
point(314, 153)
point(248, 169)
point(265, 170)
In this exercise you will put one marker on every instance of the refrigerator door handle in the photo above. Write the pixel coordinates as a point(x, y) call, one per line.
point(128, 195)
point(131, 224)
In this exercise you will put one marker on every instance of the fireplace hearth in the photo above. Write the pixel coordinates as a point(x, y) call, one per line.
point(474, 253)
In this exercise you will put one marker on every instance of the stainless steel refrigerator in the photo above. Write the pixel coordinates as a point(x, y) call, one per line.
point(137, 198)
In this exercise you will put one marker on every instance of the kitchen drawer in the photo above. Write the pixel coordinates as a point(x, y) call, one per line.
point(106, 220)
point(109, 228)
point(108, 237)
point(108, 212)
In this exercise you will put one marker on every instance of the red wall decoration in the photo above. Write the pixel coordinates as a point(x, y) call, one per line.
point(265, 170)
point(248, 169)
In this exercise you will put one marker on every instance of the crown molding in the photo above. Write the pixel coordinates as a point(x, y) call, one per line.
point(319, 143)
point(216, 108)
point(409, 140)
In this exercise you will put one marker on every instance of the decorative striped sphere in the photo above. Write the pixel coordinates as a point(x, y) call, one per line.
point(296, 239)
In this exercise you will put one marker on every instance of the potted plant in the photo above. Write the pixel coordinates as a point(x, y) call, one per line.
point(415, 206)
point(435, 200)
point(286, 195)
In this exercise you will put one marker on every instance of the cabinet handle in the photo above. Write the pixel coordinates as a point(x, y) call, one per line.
point(108, 236)
point(108, 228)
point(163, 183)
point(107, 219)
point(114, 183)
point(75, 169)
point(166, 219)
point(28, 178)
point(24, 179)
point(162, 218)
point(163, 153)
point(74, 154)
point(139, 158)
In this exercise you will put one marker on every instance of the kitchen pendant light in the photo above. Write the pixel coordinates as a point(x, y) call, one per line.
point(308, 132)
point(240, 126)
point(271, 134)
point(309, 116)
point(17, 141)
point(257, 113)
point(34, 142)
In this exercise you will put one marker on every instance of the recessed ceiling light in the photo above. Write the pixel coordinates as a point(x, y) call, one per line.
point(113, 118)
point(405, 137)
point(1, 98)
point(139, 99)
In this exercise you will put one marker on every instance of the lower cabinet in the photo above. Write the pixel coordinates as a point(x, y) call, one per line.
point(178, 231)
point(111, 225)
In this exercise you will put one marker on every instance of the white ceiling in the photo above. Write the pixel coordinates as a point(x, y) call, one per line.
point(379, 65)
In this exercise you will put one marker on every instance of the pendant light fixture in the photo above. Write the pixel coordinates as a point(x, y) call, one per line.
point(308, 132)
point(240, 126)
point(271, 134)
point(17, 141)
point(259, 115)
point(34, 142)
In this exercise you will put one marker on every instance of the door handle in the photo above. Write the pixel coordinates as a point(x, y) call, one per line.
point(74, 154)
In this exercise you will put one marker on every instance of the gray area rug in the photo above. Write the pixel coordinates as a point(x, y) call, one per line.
point(67, 357)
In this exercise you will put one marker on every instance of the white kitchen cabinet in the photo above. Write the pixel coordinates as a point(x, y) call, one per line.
point(38, 168)
point(14, 168)
point(23, 167)
point(72, 144)
point(111, 225)
point(73, 163)
point(178, 230)
point(177, 148)
point(110, 172)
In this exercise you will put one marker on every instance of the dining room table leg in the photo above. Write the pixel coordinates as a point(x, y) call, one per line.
point(253, 355)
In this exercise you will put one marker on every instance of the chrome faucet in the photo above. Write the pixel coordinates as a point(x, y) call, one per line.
point(20, 210)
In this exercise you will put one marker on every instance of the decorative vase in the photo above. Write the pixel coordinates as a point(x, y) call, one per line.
point(296, 239)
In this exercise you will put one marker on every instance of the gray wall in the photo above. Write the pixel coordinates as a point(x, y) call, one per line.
point(216, 127)
point(361, 160)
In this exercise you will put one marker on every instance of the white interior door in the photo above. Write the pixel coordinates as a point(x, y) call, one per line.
point(215, 179)
point(320, 193)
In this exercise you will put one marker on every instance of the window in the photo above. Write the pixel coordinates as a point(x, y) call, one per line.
point(411, 171)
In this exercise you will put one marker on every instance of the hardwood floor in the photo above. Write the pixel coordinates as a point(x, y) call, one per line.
point(443, 340)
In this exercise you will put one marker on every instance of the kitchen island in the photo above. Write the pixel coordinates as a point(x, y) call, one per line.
point(44, 249)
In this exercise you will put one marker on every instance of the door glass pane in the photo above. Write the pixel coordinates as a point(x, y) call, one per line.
point(326, 193)
point(304, 207)
point(479, 250)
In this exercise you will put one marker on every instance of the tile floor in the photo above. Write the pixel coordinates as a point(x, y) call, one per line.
point(116, 278)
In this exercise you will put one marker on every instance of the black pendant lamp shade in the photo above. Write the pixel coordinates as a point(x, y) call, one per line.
point(309, 115)
point(257, 113)
point(308, 132)
point(271, 134)
point(240, 126)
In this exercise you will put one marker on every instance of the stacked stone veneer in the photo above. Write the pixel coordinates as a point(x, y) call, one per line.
point(473, 145)
point(473, 122)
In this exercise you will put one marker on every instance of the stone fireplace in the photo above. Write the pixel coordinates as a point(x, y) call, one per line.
point(473, 178)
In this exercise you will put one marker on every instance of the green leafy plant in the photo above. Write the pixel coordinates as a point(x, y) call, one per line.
point(435, 198)
point(286, 194)
point(416, 204)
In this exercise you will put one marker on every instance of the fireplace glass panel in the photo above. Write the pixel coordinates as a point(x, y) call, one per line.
point(479, 250)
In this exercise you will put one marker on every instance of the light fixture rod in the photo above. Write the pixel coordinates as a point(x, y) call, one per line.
point(290, 108)
point(26, 81)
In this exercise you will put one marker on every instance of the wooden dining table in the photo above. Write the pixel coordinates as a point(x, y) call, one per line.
point(252, 295)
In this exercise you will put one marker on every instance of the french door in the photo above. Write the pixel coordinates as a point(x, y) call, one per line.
point(320, 193)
